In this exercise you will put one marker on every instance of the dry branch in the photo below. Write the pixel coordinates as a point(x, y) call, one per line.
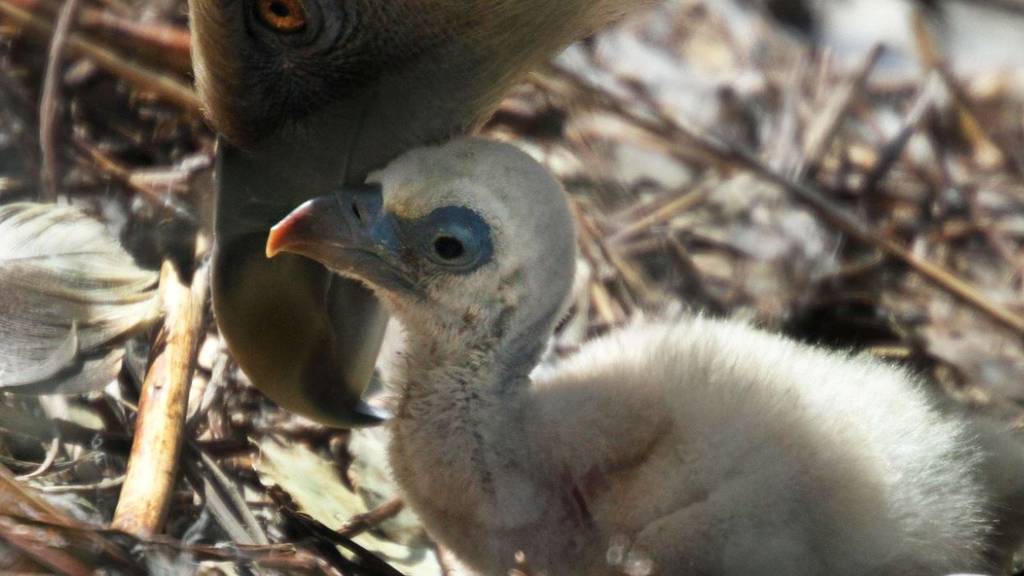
point(893, 150)
point(163, 43)
point(660, 216)
point(676, 138)
point(852, 226)
point(20, 505)
point(50, 103)
point(170, 45)
point(159, 431)
point(821, 134)
point(141, 78)
point(369, 520)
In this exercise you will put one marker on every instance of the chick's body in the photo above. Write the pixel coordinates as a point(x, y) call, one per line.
point(710, 448)
point(690, 446)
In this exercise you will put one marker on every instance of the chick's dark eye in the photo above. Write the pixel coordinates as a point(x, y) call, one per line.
point(282, 15)
point(454, 239)
point(448, 248)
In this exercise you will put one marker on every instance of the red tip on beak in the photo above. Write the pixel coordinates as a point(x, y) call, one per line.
point(337, 232)
point(292, 229)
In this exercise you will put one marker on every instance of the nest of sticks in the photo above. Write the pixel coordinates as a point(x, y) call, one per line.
point(833, 201)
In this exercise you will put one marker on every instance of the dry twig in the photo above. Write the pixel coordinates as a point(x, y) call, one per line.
point(47, 546)
point(823, 131)
point(674, 135)
point(159, 430)
point(368, 520)
point(141, 78)
point(50, 103)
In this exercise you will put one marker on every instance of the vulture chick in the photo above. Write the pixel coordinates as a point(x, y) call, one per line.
point(312, 93)
point(695, 446)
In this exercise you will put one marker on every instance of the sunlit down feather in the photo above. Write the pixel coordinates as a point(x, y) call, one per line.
point(69, 296)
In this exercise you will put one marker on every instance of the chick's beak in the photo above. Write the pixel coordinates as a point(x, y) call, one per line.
point(322, 227)
point(309, 230)
point(347, 232)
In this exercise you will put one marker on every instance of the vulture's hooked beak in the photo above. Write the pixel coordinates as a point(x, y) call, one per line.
point(306, 338)
point(348, 233)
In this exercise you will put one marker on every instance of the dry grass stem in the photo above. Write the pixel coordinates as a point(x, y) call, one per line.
point(153, 465)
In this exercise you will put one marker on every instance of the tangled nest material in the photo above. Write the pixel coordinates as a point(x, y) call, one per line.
point(827, 196)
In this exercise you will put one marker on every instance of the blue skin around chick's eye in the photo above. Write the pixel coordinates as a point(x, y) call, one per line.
point(455, 238)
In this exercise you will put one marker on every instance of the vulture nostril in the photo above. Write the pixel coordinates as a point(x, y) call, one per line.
point(356, 212)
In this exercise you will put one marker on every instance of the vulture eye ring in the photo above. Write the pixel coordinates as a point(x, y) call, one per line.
point(285, 16)
point(454, 238)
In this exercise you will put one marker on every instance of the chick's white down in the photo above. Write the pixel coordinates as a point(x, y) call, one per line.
point(682, 446)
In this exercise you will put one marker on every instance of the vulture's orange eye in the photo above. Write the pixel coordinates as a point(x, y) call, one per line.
point(282, 15)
